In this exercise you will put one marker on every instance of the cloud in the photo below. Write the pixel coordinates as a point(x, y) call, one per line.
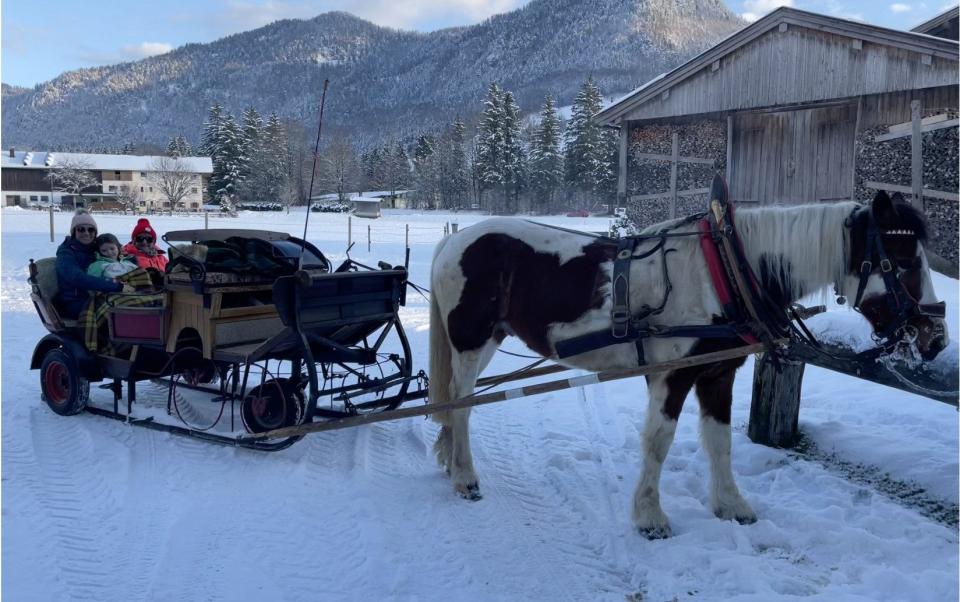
point(233, 16)
point(145, 49)
point(757, 8)
point(134, 52)
point(898, 7)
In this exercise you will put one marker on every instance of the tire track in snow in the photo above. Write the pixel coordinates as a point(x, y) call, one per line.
point(73, 506)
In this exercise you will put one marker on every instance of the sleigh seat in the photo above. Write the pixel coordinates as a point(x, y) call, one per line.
point(44, 289)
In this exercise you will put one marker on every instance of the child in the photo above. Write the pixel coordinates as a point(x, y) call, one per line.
point(109, 263)
point(143, 247)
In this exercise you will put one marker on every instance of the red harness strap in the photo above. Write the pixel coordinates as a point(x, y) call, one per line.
point(718, 275)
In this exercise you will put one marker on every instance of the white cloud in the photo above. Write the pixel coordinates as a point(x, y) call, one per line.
point(757, 8)
point(145, 49)
point(899, 7)
point(243, 15)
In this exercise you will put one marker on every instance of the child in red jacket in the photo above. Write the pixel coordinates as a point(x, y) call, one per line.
point(143, 247)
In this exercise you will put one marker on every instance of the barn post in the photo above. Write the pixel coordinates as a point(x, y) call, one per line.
point(622, 173)
point(349, 230)
point(775, 406)
point(674, 161)
point(916, 155)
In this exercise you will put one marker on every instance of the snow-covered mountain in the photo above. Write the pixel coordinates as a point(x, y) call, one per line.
point(384, 82)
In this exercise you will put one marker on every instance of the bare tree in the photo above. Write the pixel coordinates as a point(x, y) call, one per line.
point(71, 175)
point(129, 197)
point(172, 178)
point(340, 167)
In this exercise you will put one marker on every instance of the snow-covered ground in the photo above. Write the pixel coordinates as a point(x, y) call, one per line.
point(95, 509)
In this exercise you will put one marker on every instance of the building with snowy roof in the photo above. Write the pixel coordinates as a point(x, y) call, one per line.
point(800, 107)
point(122, 181)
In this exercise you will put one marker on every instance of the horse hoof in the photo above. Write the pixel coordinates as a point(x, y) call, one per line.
point(470, 492)
point(739, 511)
point(746, 520)
point(653, 533)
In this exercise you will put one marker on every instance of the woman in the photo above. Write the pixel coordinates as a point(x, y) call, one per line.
point(143, 247)
point(74, 256)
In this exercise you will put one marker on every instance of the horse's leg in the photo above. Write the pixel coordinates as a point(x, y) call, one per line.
point(715, 392)
point(453, 442)
point(667, 393)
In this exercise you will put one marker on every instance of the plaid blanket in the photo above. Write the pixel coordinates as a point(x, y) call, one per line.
point(93, 316)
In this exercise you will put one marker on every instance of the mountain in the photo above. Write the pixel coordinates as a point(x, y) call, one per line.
point(383, 82)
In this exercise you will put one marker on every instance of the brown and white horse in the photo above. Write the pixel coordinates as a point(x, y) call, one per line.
point(507, 276)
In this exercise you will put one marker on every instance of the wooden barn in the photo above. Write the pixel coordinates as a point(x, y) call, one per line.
point(800, 107)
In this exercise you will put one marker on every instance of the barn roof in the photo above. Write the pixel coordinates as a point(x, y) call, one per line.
point(784, 17)
point(942, 24)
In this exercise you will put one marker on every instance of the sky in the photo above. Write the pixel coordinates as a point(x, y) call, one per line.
point(41, 40)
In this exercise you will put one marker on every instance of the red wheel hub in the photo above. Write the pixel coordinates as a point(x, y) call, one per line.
point(57, 382)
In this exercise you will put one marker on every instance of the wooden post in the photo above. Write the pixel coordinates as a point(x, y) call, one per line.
point(729, 149)
point(853, 161)
point(622, 174)
point(407, 237)
point(916, 156)
point(368, 238)
point(349, 231)
point(51, 218)
point(453, 227)
point(673, 173)
point(775, 407)
point(206, 219)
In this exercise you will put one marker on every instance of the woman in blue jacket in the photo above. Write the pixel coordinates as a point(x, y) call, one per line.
point(74, 256)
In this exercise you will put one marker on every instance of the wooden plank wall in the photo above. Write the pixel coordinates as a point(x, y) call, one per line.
point(796, 156)
point(796, 66)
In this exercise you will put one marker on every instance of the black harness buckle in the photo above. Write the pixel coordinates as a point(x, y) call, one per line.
point(885, 265)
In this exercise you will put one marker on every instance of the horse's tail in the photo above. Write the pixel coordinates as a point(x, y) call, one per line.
point(441, 387)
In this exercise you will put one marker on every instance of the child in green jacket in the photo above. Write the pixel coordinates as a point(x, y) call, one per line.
point(109, 264)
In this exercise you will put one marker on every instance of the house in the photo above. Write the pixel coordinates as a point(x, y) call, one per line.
point(391, 199)
point(800, 107)
point(122, 181)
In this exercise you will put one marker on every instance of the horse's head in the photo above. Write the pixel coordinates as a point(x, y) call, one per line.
point(894, 291)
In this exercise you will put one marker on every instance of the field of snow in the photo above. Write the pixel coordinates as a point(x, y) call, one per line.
point(94, 509)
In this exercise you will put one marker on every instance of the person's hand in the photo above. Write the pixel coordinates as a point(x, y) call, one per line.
point(128, 289)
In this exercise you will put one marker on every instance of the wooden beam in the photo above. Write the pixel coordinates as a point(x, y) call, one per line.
point(673, 173)
point(622, 173)
point(729, 149)
point(656, 157)
point(663, 195)
point(933, 194)
point(916, 155)
point(853, 161)
point(538, 389)
point(929, 124)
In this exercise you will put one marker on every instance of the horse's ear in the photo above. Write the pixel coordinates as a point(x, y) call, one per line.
point(882, 208)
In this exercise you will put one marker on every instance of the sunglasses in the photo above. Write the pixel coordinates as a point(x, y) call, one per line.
point(145, 239)
point(85, 230)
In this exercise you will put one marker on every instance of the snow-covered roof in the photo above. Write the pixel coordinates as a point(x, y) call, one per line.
point(46, 160)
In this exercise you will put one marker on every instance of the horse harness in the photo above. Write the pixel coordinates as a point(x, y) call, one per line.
point(899, 300)
point(750, 313)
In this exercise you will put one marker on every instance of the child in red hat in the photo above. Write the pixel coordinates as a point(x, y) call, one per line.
point(143, 246)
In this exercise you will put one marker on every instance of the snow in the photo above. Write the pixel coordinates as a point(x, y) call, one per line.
point(100, 510)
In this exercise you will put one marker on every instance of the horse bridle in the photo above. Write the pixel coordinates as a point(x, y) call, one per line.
point(901, 303)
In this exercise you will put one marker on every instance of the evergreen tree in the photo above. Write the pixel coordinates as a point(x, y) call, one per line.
point(229, 163)
point(490, 158)
point(178, 147)
point(399, 169)
point(546, 162)
point(425, 163)
point(457, 173)
point(211, 131)
point(514, 160)
point(590, 151)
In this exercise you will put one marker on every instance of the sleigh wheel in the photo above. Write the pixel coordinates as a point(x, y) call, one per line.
point(274, 404)
point(61, 386)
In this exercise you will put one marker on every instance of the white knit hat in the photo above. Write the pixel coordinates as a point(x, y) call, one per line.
point(81, 218)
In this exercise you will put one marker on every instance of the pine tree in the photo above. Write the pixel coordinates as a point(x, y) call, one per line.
point(457, 173)
point(590, 151)
point(546, 162)
point(399, 169)
point(490, 153)
point(178, 147)
point(229, 163)
point(514, 160)
point(211, 131)
point(426, 171)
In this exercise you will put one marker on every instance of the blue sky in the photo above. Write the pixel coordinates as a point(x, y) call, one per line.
point(42, 39)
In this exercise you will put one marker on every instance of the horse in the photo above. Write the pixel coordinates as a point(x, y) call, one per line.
point(509, 276)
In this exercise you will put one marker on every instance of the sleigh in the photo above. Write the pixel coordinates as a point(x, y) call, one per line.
point(280, 348)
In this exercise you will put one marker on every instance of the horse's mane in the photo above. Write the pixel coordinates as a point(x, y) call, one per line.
point(805, 247)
